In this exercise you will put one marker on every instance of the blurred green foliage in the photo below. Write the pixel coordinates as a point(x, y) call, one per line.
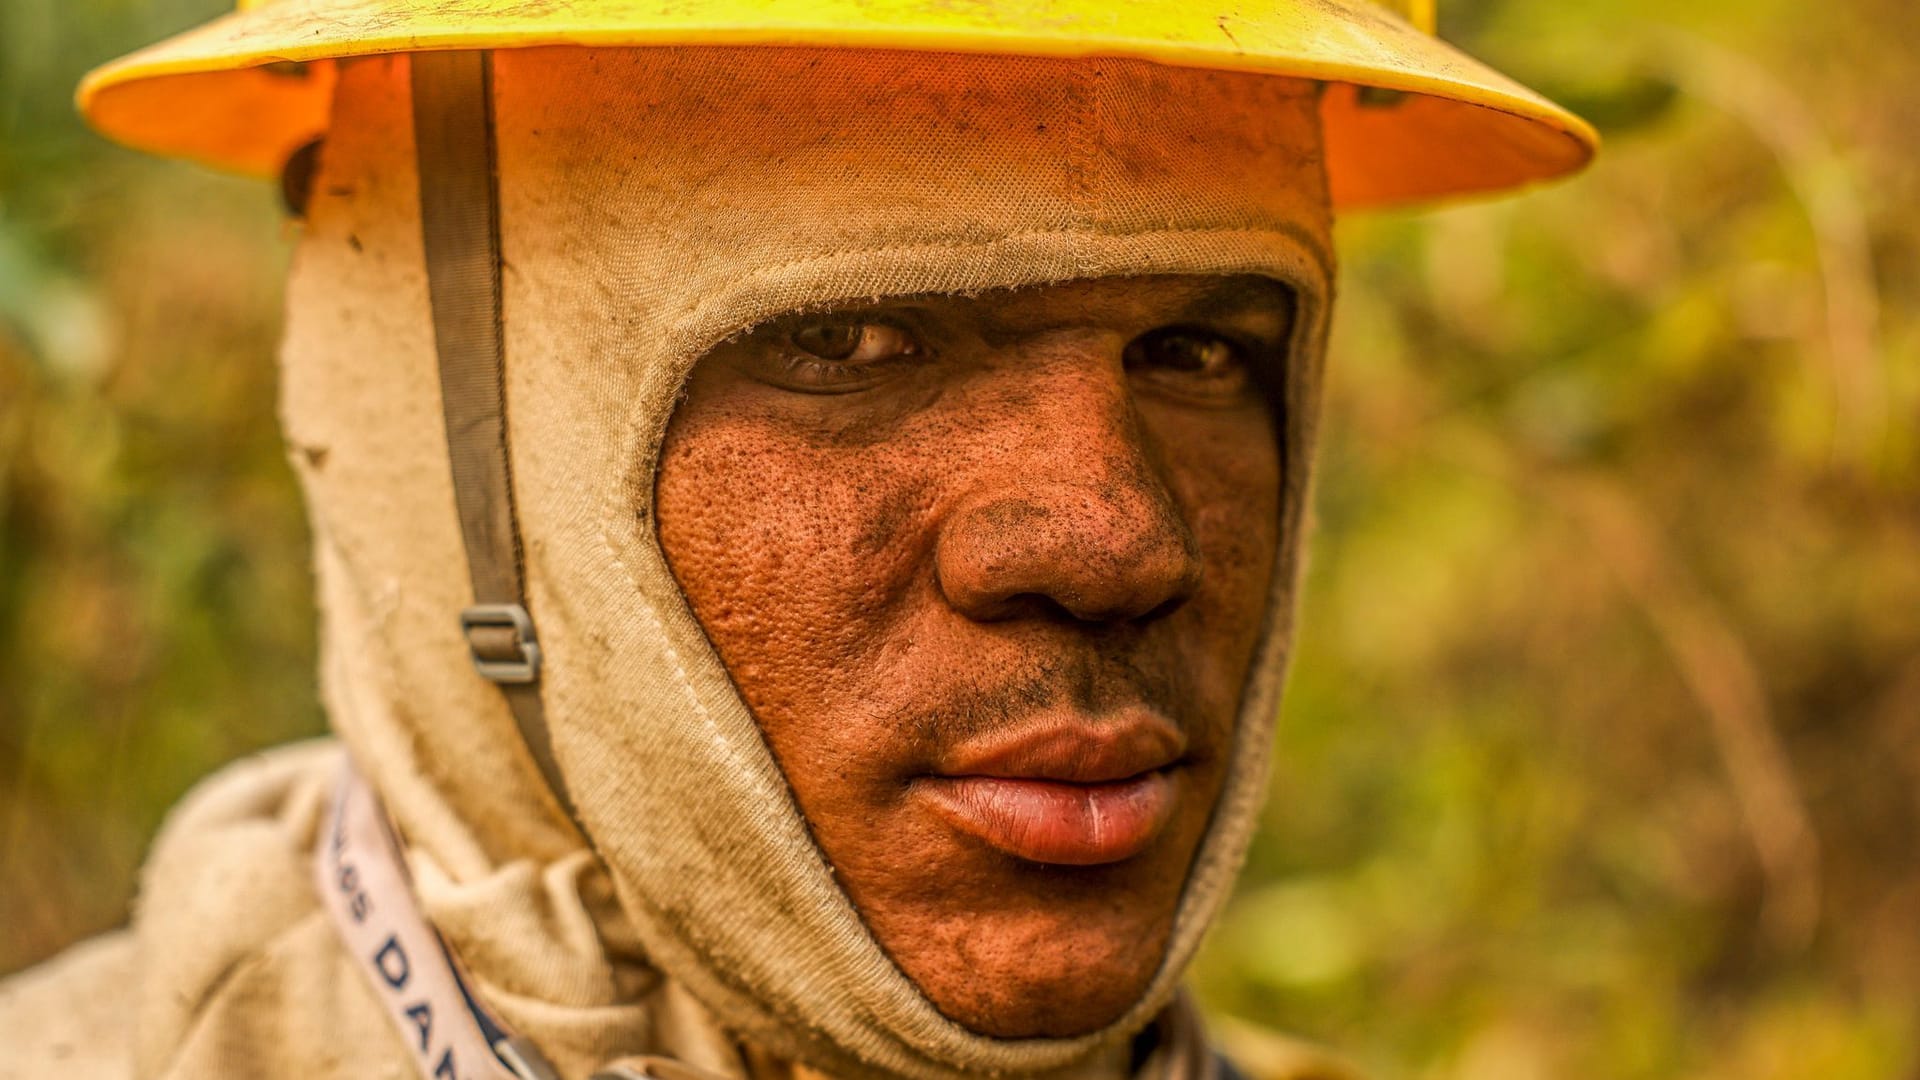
point(1602, 753)
point(155, 607)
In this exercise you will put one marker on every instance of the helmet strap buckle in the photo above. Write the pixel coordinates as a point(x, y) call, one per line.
point(501, 640)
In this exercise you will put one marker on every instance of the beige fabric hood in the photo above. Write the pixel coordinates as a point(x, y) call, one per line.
point(654, 203)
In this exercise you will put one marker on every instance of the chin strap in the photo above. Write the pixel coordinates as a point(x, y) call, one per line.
point(460, 224)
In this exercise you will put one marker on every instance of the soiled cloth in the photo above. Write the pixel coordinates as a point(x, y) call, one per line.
point(655, 202)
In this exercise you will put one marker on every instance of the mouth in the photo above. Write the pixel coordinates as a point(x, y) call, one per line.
point(1065, 789)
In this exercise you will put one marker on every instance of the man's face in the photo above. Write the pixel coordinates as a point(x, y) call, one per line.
point(990, 573)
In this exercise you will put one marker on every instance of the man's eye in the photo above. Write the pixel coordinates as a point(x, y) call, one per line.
point(854, 342)
point(1194, 361)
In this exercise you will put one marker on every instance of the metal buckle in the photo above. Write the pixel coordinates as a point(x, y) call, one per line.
point(503, 617)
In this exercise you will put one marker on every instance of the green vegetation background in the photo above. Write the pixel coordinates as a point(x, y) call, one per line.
point(1602, 755)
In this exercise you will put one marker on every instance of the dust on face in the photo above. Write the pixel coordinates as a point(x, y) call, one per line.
point(990, 573)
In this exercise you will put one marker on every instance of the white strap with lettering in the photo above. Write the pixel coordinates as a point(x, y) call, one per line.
point(365, 886)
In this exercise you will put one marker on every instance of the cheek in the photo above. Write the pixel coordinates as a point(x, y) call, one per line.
point(797, 560)
point(1225, 472)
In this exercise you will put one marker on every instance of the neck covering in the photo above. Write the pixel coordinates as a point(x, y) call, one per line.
point(655, 202)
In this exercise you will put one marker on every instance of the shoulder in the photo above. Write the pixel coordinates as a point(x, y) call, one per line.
point(225, 890)
point(72, 1016)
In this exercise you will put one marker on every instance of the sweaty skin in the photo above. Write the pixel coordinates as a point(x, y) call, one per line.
point(990, 572)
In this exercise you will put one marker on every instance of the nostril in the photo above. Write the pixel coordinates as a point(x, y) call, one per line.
point(1185, 579)
point(1035, 605)
point(1171, 605)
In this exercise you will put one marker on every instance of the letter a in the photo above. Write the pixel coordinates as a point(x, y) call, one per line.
point(422, 1017)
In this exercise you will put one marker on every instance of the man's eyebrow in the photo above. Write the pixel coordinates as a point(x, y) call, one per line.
point(1202, 299)
point(1243, 295)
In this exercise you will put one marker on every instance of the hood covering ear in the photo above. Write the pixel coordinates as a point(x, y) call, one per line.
point(653, 203)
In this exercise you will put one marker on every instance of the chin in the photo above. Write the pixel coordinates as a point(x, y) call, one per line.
point(1045, 980)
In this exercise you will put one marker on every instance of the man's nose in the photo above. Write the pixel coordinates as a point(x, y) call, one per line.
point(1073, 515)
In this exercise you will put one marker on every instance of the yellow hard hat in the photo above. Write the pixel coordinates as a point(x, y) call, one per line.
point(1407, 117)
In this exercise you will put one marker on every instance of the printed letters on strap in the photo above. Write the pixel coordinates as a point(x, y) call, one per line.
point(365, 887)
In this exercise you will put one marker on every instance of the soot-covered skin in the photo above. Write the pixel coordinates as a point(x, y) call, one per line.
point(990, 573)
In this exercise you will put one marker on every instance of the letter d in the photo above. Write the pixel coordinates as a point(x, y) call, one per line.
point(392, 962)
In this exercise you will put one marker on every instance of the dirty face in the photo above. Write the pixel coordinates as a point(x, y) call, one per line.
point(990, 573)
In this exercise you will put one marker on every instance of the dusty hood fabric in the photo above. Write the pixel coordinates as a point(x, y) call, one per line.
point(654, 203)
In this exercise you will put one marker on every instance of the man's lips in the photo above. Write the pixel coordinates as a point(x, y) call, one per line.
point(1065, 789)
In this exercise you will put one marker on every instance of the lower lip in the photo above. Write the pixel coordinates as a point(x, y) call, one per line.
point(1048, 821)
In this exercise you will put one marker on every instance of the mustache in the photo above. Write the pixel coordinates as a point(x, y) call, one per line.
point(1092, 681)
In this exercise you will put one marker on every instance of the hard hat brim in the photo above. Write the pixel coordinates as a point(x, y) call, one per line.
point(1407, 117)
